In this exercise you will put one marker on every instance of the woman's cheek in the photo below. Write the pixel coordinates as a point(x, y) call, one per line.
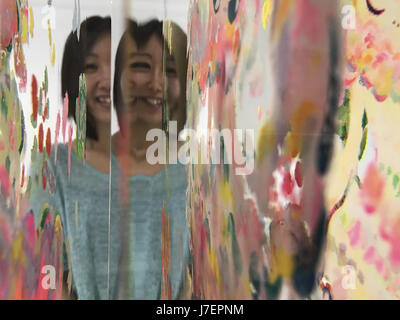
point(174, 91)
point(90, 95)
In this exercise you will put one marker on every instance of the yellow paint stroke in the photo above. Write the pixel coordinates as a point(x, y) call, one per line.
point(266, 141)
point(259, 113)
point(297, 123)
point(283, 266)
point(215, 268)
point(17, 253)
point(53, 55)
point(167, 31)
point(57, 225)
point(225, 192)
point(49, 31)
point(267, 10)
point(282, 13)
point(24, 31)
point(31, 22)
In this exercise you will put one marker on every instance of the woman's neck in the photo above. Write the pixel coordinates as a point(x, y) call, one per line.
point(134, 143)
point(102, 144)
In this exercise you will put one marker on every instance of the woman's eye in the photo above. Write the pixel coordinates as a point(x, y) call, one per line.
point(140, 65)
point(91, 67)
point(171, 71)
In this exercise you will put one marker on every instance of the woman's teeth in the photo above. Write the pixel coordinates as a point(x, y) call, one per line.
point(154, 102)
point(104, 100)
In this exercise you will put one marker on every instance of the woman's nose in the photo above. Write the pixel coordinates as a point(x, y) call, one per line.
point(105, 78)
point(157, 81)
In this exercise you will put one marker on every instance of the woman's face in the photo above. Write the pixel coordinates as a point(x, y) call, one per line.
point(98, 74)
point(142, 81)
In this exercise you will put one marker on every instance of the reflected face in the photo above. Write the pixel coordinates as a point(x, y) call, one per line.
point(143, 82)
point(97, 70)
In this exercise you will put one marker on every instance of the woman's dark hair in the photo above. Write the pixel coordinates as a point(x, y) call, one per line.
point(141, 34)
point(73, 64)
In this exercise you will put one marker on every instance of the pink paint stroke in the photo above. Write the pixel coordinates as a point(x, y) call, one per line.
point(56, 138)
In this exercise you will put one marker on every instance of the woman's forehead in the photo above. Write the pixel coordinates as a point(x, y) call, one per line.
point(151, 49)
point(102, 43)
point(152, 45)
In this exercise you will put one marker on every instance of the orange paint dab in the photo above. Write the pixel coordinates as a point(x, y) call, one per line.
point(372, 189)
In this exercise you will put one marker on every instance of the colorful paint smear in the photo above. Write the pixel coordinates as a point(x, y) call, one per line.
point(81, 119)
point(363, 233)
point(262, 236)
point(26, 248)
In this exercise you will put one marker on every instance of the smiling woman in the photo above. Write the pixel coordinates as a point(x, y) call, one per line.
point(80, 186)
point(149, 87)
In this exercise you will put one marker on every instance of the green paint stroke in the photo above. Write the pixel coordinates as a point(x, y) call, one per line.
point(344, 118)
point(224, 158)
point(395, 181)
point(237, 260)
point(80, 115)
point(207, 226)
point(364, 121)
point(46, 81)
point(21, 145)
point(364, 136)
point(40, 104)
point(8, 164)
point(43, 215)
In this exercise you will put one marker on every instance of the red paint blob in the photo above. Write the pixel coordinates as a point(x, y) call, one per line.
point(40, 137)
point(298, 174)
point(44, 175)
point(48, 142)
point(288, 184)
point(45, 110)
point(34, 98)
point(22, 176)
point(5, 181)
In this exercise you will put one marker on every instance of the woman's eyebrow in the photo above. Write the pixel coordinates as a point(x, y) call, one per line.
point(138, 54)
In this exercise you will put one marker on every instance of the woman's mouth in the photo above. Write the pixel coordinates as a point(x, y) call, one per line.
point(153, 104)
point(104, 102)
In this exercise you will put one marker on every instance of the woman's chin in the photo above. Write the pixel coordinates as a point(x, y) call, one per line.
point(152, 120)
point(103, 118)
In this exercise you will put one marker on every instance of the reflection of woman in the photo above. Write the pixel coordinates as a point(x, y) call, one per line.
point(139, 87)
point(80, 197)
